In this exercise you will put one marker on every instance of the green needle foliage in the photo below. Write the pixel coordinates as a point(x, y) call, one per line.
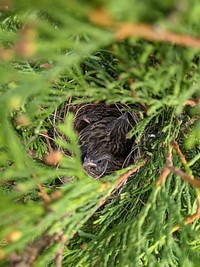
point(55, 55)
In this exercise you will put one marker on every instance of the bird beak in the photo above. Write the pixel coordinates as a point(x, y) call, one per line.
point(86, 120)
point(88, 163)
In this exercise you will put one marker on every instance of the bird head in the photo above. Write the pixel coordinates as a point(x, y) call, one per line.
point(98, 165)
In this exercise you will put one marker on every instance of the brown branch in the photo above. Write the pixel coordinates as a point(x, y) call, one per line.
point(190, 103)
point(185, 177)
point(166, 170)
point(178, 150)
point(126, 175)
point(169, 168)
point(46, 136)
point(125, 30)
point(33, 250)
point(163, 176)
point(59, 255)
point(42, 193)
point(120, 181)
point(150, 33)
point(191, 218)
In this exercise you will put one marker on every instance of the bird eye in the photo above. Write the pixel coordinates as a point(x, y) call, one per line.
point(99, 161)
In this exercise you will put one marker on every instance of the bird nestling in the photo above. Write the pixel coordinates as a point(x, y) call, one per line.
point(103, 138)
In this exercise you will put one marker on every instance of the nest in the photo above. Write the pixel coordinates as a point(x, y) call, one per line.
point(90, 113)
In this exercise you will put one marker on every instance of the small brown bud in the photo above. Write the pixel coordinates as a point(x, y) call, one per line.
point(45, 66)
point(83, 247)
point(15, 235)
point(22, 120)
point(6, 54)
point(26, 45)
point(53, 158)
point(56, 195)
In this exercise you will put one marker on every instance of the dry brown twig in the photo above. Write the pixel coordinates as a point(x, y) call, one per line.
point(166, 170)
point(151, 33)
point(119, 182)
point(59, 254)
point(169, 168)
point(42, 193)
point(185, 177)
point(124, 30)
point(191, 218)
point(179, 152)
point(33, 250)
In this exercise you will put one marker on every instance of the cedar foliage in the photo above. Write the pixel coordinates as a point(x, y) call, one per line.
point(57, 54)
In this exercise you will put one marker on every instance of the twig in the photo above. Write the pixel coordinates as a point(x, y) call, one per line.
point(33, 250)
point(177, 148)
point(190, 102)
point(47, 140)
point(128, 173)
point(166, 170)
point(59, 256)
point(191, 218)
point(42, 193)
point(124, 30)
point(120, 181)
point(163, 176)
point(185, 177)
point(46, 137)
point(169, 168)
point(150, 33)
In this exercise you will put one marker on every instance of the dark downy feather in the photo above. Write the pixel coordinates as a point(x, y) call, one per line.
point(103, 138)
point(91, 113)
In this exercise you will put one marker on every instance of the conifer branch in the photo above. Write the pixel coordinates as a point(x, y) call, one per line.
point(169, 168)
point(53, 60)
point(33, 250)
point(190, 219)
point(120, 181)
